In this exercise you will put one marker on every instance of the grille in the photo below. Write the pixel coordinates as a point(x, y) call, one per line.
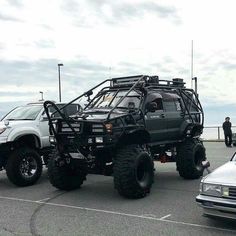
point(232, 192)
point(86, 128)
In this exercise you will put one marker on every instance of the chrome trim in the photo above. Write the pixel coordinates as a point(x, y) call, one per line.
point(227, 207)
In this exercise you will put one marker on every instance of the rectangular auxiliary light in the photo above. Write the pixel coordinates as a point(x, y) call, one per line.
point(99, 139)
point(66, 128)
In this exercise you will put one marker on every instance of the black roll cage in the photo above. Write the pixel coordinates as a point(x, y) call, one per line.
point(130, 83)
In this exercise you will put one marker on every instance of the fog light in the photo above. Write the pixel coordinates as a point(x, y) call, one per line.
point(52, 139)
point(99, 139)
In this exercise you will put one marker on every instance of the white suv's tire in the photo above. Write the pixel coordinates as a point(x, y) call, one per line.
point(24, 166)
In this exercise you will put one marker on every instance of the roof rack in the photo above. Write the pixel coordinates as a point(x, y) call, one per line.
point(146, 81)
point(125, 81)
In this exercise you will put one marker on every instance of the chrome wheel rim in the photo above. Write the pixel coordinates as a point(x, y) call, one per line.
point(28, 167)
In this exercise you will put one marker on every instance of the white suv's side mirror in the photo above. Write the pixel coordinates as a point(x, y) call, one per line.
point(44, 117)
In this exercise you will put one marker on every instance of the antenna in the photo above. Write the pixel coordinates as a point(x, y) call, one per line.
point(191, 64)
point(193, 78)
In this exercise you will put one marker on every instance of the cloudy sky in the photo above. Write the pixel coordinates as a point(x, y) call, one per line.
point(97, 39)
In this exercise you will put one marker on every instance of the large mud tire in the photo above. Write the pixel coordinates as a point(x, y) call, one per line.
point(133, 172)
point(65, 177)
point(24, 166)
point(190, 155)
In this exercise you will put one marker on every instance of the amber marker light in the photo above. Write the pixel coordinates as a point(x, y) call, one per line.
point(108, 127)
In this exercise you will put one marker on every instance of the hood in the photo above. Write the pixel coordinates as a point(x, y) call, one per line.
point(225, 175)
point(101, 114)
point(15, 124)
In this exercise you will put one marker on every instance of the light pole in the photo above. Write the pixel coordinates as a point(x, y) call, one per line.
point(41, 95)
point(59, 77)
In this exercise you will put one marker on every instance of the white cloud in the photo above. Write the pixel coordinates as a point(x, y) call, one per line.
point(116, 38)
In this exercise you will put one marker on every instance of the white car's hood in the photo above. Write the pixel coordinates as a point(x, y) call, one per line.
point(225, 175)
point(14, 124)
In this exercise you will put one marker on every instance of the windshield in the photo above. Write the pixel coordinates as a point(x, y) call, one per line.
point(24, 113)
point(111, 98)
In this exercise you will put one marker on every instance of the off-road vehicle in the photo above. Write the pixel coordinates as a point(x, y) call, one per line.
point(128, 124)
point(24, 138)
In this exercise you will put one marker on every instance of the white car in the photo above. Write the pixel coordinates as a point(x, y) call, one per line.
point(24, 138)
point(218, 191)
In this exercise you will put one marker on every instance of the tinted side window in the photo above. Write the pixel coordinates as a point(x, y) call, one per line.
point(155, 97)
point(158, 101)
point(178, 105)
point(170, 106)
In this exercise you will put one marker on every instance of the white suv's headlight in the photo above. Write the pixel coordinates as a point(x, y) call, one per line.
point(2, 130)
point(211, 189)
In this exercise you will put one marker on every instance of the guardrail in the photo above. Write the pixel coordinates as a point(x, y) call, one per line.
point(215, 132)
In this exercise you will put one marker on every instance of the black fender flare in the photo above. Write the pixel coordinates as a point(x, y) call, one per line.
point(140, 136)
point(191, 130)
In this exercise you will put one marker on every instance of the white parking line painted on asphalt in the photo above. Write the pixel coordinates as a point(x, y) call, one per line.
point(150, 215)
point(165, 217)
point(42, 200)
point(119, 213)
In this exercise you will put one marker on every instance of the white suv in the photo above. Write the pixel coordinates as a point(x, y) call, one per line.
point(24, 139)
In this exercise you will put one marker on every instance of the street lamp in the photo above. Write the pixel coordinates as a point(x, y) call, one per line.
point(195, 79)
point(59, 76)
point(41, 95)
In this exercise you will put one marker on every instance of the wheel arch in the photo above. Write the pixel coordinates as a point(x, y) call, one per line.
point(30, 139)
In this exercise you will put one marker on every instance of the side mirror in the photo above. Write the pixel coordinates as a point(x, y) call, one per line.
point(131, 106)
point(88, 94)
point(44, 117)
point(151, 107)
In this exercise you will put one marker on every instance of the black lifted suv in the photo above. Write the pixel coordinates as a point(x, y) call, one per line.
point(125, 127)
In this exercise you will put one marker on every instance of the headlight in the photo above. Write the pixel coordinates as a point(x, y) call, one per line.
point(211, 190)
point(2, 130)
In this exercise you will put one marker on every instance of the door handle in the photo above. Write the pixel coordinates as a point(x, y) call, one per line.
point(162, 115)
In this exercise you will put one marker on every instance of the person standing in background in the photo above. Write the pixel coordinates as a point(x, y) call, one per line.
point(227, 132)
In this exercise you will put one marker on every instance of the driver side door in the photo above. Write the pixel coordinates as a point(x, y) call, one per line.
point(155, 121)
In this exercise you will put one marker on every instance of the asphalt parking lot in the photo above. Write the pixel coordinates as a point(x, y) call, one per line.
point(97, 209)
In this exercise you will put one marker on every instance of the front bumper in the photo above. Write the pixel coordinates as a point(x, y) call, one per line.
point(217, 206)
point(3, 139)
point(72, 143)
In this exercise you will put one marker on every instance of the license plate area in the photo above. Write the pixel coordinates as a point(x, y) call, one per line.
point(77, 155)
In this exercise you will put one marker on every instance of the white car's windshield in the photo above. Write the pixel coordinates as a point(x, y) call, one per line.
point(111, 98)
point(24, 113)
point(234, 157)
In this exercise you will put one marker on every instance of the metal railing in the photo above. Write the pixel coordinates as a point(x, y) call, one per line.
point(214, 132)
